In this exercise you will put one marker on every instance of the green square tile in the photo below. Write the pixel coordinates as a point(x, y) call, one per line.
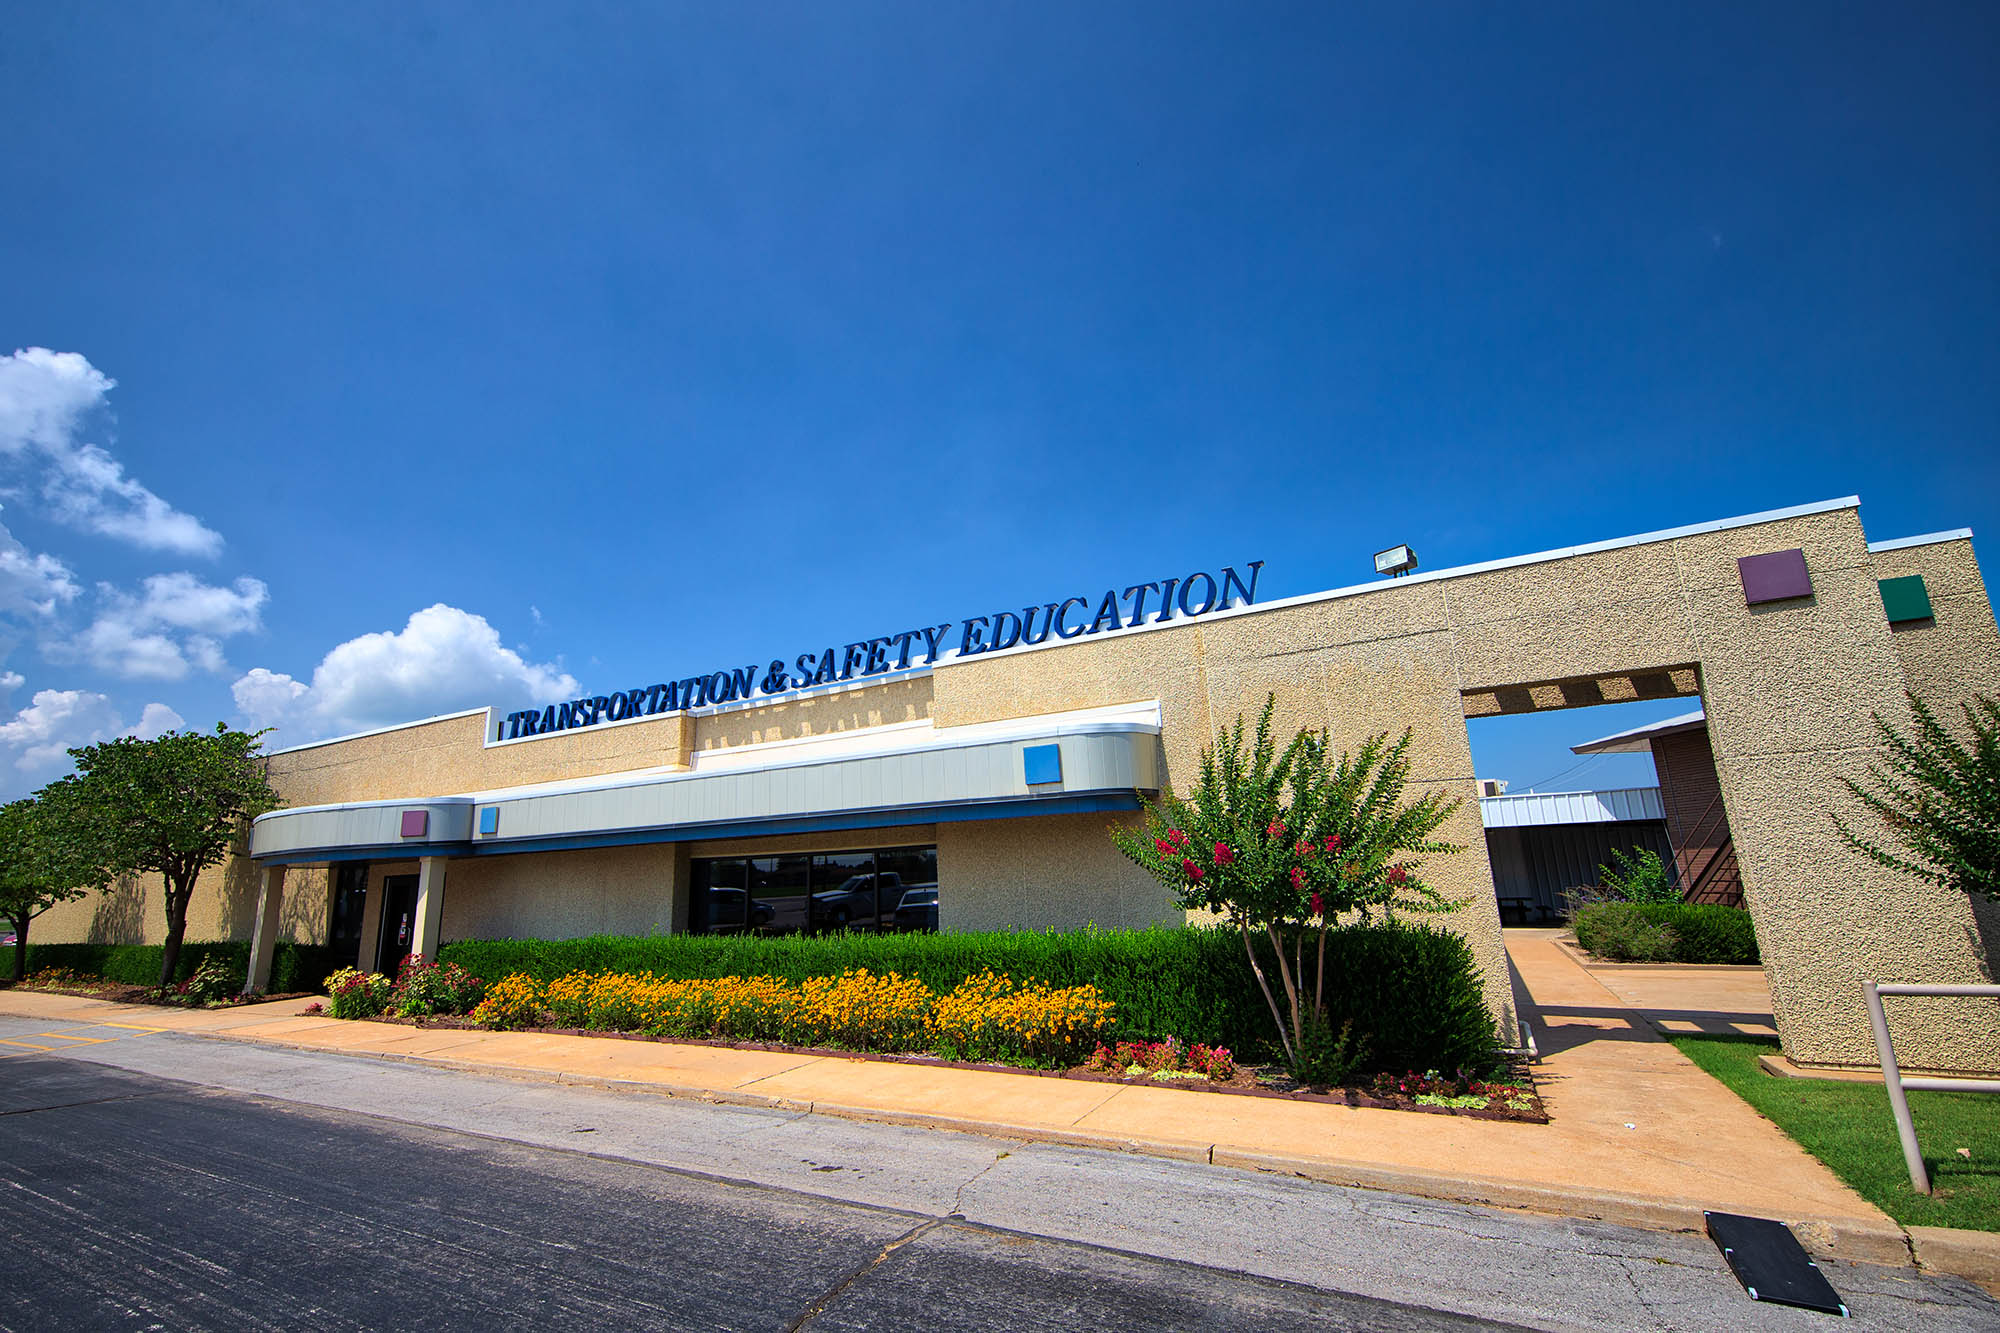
point(1905, 598)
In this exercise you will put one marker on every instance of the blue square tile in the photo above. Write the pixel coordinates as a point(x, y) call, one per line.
point(1043, 764)
point(489, 819)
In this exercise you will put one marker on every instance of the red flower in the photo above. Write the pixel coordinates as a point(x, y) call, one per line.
point(1176, 837)
point(1398, 875)
point(1333, 842)
point(1276, 831)
point(1302, 849)
point(1193, 870)
point(1166, 848)
point(1223, 856)
point(1319, 905)
point(1299, 879)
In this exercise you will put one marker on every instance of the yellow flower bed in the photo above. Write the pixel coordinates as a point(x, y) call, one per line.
point(987, 1017)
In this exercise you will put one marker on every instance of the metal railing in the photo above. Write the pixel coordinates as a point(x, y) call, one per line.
point(1892, 1077)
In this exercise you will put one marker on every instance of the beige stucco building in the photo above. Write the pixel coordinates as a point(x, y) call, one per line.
point(971, 789)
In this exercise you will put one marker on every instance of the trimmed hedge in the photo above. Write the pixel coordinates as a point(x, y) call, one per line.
point(1701, 932)
point(294, 967)
point(1413, 990)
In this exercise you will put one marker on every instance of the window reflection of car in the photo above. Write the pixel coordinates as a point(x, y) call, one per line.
point(918, 910)
point(725, 907)
point(854, 900)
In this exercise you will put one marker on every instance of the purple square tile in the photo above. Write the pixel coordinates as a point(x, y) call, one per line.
point(416, 823)
point(1774, 577)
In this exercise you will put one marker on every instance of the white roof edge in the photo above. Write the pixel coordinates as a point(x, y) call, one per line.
point(1604, 744)
point(1302, 599)
point(1453, 572)
point(1928, 539)
point(1141, 717)
point(380, 731)
point(1582, 791)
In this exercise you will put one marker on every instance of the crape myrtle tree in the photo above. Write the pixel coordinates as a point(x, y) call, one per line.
point(1937, 798)
point(172, 806)
point(40, 866)
point(1287, 843)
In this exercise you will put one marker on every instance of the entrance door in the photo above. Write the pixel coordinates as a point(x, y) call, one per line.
point(399, 922)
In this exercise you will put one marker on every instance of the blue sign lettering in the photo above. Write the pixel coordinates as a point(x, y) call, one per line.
point(895, 652)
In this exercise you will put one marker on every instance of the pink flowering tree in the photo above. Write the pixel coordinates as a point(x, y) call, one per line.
point(1287, 843)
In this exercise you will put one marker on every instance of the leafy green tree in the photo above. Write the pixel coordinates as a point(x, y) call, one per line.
point(1938, 799)
point(1284, 843)
point(172, 806)
point(1638, 876)
point(40, 866)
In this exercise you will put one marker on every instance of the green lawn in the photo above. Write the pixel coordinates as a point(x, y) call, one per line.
point(1848, 1126)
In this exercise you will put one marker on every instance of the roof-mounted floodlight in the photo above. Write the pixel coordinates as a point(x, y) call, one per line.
point(1396, 560)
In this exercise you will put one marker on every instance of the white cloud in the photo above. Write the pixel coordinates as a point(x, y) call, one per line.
point(31, 584)
point(174, 625)
point(442, 661)
point(155, 721)
point(266, 697)
point(41, 734)
point(45, 398)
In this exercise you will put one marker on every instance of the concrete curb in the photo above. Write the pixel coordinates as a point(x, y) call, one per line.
point(1973, 1255)
point(1836, 1238)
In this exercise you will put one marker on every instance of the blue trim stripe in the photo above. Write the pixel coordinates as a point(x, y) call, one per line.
point(1013, 808)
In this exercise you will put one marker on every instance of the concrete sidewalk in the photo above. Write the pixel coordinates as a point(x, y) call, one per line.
point(1638, 1135)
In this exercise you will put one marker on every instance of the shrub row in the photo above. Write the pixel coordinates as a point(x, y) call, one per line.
point(1412, 991)
point(294, 967)
point(1667, 933)
point(987, 1017)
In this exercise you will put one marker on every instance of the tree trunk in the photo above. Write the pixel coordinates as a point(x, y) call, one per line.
point(1291, 990)
point(21, 947)
point(1284, 1037)
point(177, 918)
point(1319, 973)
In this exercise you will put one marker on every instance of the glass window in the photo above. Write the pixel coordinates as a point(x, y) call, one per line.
point(892, 889)
point(909, 887)
point(350, 898)
point(778, 894)
point(721, 899)
point(843, 896)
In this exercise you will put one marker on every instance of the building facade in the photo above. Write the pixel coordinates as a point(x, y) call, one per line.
point(964, 775)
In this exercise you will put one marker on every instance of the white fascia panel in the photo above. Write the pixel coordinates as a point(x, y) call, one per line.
point(1928, 539)
point(1540, 809)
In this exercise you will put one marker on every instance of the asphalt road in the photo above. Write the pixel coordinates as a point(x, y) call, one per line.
point(137, 1202)
point(155, 1180)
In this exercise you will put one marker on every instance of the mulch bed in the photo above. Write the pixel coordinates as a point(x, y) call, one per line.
point(1249, 1081)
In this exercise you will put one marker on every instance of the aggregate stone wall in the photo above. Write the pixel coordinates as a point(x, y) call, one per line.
point(222, 907)
point(449, 755)
point(907, 700)
point(1789, 688)
point(561, 895)
point(1052, 871)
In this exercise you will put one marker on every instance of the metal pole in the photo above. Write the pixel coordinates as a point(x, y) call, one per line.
point(1892, 1079)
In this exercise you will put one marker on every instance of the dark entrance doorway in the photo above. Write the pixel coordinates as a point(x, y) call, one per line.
point(399, 922)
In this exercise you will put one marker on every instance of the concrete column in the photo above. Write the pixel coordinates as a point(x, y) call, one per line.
point(371, 922)
point(264, 934)
point(430, 906)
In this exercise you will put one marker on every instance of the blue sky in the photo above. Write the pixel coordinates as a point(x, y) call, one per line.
point(646, 339)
